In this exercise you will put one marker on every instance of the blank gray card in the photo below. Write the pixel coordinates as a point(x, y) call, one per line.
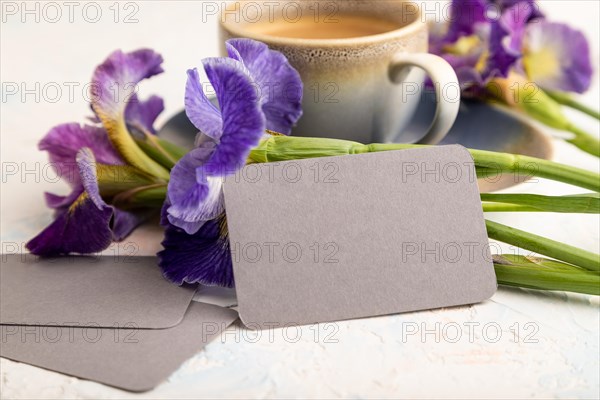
point(114, 320)
point(102, 291)
point(129, 358)
point(355, 236)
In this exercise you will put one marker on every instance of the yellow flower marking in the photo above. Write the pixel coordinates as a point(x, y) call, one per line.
point(482, 62)
point(78, 202)
point(541, 64)
point(463, 46)
point(223, 230)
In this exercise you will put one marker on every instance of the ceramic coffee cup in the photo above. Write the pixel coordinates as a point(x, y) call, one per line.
point(356, 62)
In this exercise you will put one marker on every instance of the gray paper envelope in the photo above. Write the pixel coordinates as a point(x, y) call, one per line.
point(132, 359)
point(89, 291)
point(355, 236)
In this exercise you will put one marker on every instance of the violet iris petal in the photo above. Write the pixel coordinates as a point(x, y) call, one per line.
point(514, 22)
point(63, 144)
point(506, 40)
point(465, 68)
point(196, 239)
point(114, 86)
point(141, 114)
point(280, 84)
point(84, 222)
point(463, 43)
point(557, 57)
point(183, 175)
point(199, 109)
point(124, 222)
point(243, 120)
point(465, 15)
point(193, 196)
point(203, 257)
point(194, 189)
point(480, 45)
point(59, 202)
point(531, 7)
point(115, 80)
point(83, 227)
point(64, 141)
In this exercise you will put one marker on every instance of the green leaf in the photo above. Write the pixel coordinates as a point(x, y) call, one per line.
point(584, 203)
point(147, 196)
point(584, 141)
point(567, 100)
point(160, 150)
point(534, 261)
point(114, 179)
point(544, 274)
point(538, 105)
point(282, 148)
point(548, 247)
point(125, 144)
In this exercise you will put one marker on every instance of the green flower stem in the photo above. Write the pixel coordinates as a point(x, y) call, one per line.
point(544, 274)
point(162, 151)
point(545, 108)
point(530, 261)
point(282, 148)
point(542, 245)
point(114, 179)
point(567, 100)
point(507, 207)
point(585, 203)
point(175, 152)
point(529, 166)
point(584, 141)
point(151, 196)
point(125, 144)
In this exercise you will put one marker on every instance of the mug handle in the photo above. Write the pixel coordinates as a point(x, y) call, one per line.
point(444, 77)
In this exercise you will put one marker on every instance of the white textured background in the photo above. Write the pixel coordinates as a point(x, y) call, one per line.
point(369, 357)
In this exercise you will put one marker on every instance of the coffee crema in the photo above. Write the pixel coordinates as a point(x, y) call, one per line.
point(336, 27)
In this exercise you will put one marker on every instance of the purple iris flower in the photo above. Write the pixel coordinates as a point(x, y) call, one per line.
point(481, 45)
point(203, 257)
point(530, 7)
point(506, 40)
point(257, 90)
point(88, 158)
point(465, 16)
point(487, 39)
point(557, 57)
point(82, 223)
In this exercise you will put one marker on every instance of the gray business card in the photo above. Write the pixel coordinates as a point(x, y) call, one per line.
point(102, 291)
point(129, 358)
point(355, 236)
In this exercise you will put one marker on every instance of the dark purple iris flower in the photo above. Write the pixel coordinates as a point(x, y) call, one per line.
point(257, 90)
point(529, 6)
point(95, 160)
point(487, 39)
point(557, 57)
